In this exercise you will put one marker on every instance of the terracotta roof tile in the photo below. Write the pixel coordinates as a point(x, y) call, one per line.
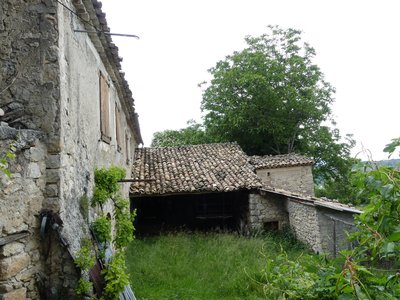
point(280, 161)
point(190, 169)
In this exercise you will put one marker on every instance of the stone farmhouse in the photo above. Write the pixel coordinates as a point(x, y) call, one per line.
point(67, 110)
point(218, 185)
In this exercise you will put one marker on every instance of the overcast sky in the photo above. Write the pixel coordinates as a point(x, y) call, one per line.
point(357, 44)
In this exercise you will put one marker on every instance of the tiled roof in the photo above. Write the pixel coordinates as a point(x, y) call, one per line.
point(325, 202)
point(192, 169)
point(280, 161)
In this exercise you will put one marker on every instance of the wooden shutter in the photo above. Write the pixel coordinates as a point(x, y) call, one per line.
point(118, 130)
point(104, 109)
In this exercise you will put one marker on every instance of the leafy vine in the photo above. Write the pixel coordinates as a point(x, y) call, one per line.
point(107, 187)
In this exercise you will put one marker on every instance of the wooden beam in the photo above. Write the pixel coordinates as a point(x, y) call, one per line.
point(11, 238)
point(136, 180)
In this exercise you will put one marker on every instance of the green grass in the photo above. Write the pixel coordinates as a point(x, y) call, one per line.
point(203, 266)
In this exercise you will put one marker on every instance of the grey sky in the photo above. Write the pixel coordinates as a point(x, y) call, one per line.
point(357, 45)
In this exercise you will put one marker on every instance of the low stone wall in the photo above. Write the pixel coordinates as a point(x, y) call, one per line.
point(263, 209)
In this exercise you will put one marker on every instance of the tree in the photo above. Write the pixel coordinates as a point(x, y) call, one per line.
point(192, 135)
point(272, 99)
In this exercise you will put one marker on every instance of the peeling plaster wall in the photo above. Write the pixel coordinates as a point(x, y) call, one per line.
point(297, 179)
point(83, 149)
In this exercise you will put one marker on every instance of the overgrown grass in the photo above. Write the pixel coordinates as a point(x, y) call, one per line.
point(203, 266)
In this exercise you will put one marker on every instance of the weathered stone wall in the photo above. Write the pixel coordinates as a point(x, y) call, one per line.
point(323, 229)
point(268, 208)
point(22, 252)
point(82, 147)
point(21, 198)
point(29, 81)
point(303, 220)
point(49, 90)
point(297, 179)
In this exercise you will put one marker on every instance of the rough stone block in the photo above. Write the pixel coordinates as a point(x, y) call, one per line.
point(53, 161)
point(11, 266)
point(5, 287)
point(36, 154)
point(26, 275)
point(19, 294)
point(14, 225)
point(52, 190)
point(11, 249)
point(33, 170)
point(52, 203)
point(52, 176)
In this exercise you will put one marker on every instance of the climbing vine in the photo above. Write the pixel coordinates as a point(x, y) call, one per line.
point(108, 188)
point(85, 261)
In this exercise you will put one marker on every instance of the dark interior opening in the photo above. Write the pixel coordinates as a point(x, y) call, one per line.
point(271, 225)
point(202, 212)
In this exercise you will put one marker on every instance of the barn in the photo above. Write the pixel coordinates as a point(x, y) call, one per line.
point(217, 186)
point(194, 187)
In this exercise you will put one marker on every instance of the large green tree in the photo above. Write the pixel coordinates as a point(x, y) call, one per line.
point(272, 99)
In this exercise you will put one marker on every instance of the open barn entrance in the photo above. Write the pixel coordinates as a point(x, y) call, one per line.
point(226, 211)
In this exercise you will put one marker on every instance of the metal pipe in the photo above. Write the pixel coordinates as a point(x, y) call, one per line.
point(107, 33)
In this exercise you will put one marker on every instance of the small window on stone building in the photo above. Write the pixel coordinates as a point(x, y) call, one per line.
point(118, 129)
point(104, 109)
point(271, 225)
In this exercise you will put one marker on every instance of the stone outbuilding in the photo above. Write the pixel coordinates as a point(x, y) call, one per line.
point(192, 186)
point(66, 109)
point(219, 186)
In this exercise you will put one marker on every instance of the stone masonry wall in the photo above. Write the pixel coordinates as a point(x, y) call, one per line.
point(264, 209)
point(29, 81)
point(21, 197)
point(303, 220)
point(298, 179)
point(49, 91)
point(27, 261)
point(83, 149)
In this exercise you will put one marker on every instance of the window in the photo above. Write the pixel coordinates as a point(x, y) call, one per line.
point(104, 110)
point(118, 131)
